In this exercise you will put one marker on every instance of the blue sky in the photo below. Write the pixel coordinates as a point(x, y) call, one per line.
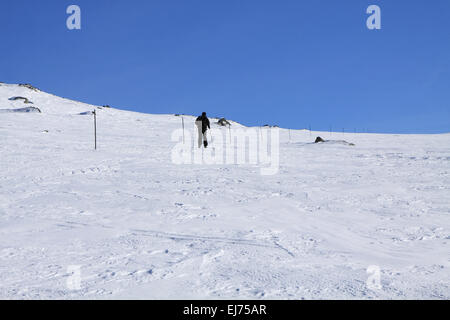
point(290, 63)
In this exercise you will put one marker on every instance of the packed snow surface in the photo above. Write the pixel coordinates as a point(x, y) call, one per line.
point(124, 221)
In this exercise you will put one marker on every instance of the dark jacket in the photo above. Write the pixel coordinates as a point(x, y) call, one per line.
point(205, 123)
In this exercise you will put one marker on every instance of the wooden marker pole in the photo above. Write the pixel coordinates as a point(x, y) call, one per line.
point(182, 121)
point(95, 129)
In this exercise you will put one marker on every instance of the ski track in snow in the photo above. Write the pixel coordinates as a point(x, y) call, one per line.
point(141, 227)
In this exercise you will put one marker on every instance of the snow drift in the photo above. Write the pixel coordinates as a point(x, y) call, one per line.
point(21, 110)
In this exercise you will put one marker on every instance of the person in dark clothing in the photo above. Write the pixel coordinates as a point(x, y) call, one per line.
point(203, 125)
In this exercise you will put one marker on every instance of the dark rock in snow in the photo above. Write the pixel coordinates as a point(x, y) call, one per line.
point(319, 139)
point(25, 100)
point(29, 86)
point(21, 110)
point(223, 122)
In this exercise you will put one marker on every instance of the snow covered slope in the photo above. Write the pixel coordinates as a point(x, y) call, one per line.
point(135, 225)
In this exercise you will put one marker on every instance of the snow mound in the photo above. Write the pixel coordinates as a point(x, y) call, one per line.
point(343, 142)
point(86, 113)
point(21, 110)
